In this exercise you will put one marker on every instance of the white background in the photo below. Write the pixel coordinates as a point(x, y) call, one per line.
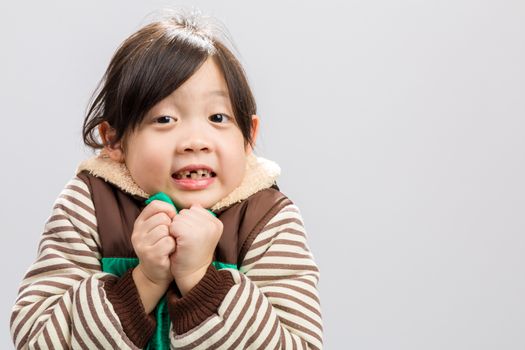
point(399, 127)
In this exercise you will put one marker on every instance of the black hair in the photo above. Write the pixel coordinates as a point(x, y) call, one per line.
point(150, 65)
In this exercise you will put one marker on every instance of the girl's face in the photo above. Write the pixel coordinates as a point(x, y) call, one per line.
point(193, 127)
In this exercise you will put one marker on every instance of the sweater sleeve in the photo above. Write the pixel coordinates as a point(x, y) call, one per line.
point(65, 300)
point(271, 303)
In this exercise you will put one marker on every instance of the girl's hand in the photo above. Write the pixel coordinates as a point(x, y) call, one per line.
point(196, 233)
point(152, 242)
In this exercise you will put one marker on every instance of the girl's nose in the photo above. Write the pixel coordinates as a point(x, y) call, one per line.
point(195, 141)
point(195, 145)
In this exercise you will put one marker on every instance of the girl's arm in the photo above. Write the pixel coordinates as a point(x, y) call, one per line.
point(272, 303)
point(65, 300)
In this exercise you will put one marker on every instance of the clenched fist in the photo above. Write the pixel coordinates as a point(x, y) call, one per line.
point(152, 242)
point(196, 233)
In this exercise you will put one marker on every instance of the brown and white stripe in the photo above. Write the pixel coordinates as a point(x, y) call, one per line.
point(274, 303)
point(61, 303)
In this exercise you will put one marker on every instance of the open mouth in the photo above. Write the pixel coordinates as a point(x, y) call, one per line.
point(194, 174)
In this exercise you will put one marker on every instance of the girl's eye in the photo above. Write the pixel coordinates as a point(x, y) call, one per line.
point(219, 118)
point(164, 119)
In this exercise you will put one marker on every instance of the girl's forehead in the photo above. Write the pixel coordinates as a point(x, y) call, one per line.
point(207, 83)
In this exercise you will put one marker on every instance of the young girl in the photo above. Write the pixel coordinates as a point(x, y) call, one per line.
point(175, 235)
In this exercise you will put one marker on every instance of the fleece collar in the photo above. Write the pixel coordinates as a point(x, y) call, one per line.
point(260, 173)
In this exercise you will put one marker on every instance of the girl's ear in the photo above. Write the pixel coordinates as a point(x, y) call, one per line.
point(254, 132)
point(111, 148)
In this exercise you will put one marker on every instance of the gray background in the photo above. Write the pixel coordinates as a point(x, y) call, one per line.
point(399, 127)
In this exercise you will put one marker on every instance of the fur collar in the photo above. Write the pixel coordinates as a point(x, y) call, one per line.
point(260, 173)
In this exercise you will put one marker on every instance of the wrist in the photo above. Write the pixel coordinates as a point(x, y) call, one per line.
point(152, 283)
point(187, 282)
point(149, 291)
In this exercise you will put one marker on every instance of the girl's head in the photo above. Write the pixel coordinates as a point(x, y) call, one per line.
point(175, 96)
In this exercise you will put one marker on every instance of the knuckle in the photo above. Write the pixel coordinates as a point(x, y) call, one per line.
point(163, 230)
point(164, 218)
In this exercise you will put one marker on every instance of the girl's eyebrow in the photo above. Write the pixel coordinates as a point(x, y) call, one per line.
point(221, 93)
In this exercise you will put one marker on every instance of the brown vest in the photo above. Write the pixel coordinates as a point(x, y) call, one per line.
point(116, 212)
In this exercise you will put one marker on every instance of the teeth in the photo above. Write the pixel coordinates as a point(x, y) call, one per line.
point(196, 174)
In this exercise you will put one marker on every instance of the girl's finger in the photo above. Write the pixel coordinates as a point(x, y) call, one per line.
point(201, 217)
point(178, 227)
point(152, 237)
point(155, 207)
point(159, 219)
point(165, 246)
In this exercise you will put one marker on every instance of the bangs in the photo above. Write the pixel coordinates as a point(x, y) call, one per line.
point(154, 62)
point(156, 70)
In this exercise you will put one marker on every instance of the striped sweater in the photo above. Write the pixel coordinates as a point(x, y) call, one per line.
point(271, 302)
